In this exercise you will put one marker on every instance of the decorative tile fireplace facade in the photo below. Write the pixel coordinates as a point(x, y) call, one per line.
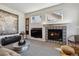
point(56, 27)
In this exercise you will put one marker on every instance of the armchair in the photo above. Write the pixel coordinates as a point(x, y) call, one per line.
point(74, 43)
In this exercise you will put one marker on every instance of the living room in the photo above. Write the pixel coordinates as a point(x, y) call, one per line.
point(44, 29)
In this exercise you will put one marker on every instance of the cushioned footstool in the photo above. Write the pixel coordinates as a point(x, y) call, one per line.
point(67, 50)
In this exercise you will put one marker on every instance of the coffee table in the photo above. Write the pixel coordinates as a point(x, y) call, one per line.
point(21, 48)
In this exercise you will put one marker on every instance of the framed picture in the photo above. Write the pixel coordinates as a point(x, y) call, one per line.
point(35, 19)
point(8, 23)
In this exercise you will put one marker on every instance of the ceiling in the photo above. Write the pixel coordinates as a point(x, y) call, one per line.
point(29, 7)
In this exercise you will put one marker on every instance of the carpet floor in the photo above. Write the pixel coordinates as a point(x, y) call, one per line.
point(39, 48)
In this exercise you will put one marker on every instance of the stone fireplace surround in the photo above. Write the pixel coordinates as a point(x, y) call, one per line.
point(51, 26)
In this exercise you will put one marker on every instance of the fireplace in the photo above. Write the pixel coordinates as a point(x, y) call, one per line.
point(55, 34)
point(36, 32)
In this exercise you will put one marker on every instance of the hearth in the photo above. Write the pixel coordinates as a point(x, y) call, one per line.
point(36, 32)
point(55, 34)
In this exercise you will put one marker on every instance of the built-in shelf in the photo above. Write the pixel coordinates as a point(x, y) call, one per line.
point(27, 26)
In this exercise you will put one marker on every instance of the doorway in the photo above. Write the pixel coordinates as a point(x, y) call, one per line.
point(27, 26)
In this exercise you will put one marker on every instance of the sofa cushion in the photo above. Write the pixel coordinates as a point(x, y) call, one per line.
point(7, 52)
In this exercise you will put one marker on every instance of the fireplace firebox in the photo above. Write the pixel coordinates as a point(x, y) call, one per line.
point(36, 32)
point(55, 34)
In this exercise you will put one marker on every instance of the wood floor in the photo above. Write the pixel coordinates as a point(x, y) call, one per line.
point(49, 44)
point(41, 48)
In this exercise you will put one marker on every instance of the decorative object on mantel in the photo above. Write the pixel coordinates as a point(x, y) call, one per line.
point(22, 41)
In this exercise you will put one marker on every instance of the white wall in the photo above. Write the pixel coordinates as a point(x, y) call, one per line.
point(71, 12)
point(71, 15)
point(21, 25)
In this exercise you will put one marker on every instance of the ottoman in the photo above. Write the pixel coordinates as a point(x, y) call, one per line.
point(67, 50)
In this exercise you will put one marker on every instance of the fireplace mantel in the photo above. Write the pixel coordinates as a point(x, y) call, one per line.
point(45, 25)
